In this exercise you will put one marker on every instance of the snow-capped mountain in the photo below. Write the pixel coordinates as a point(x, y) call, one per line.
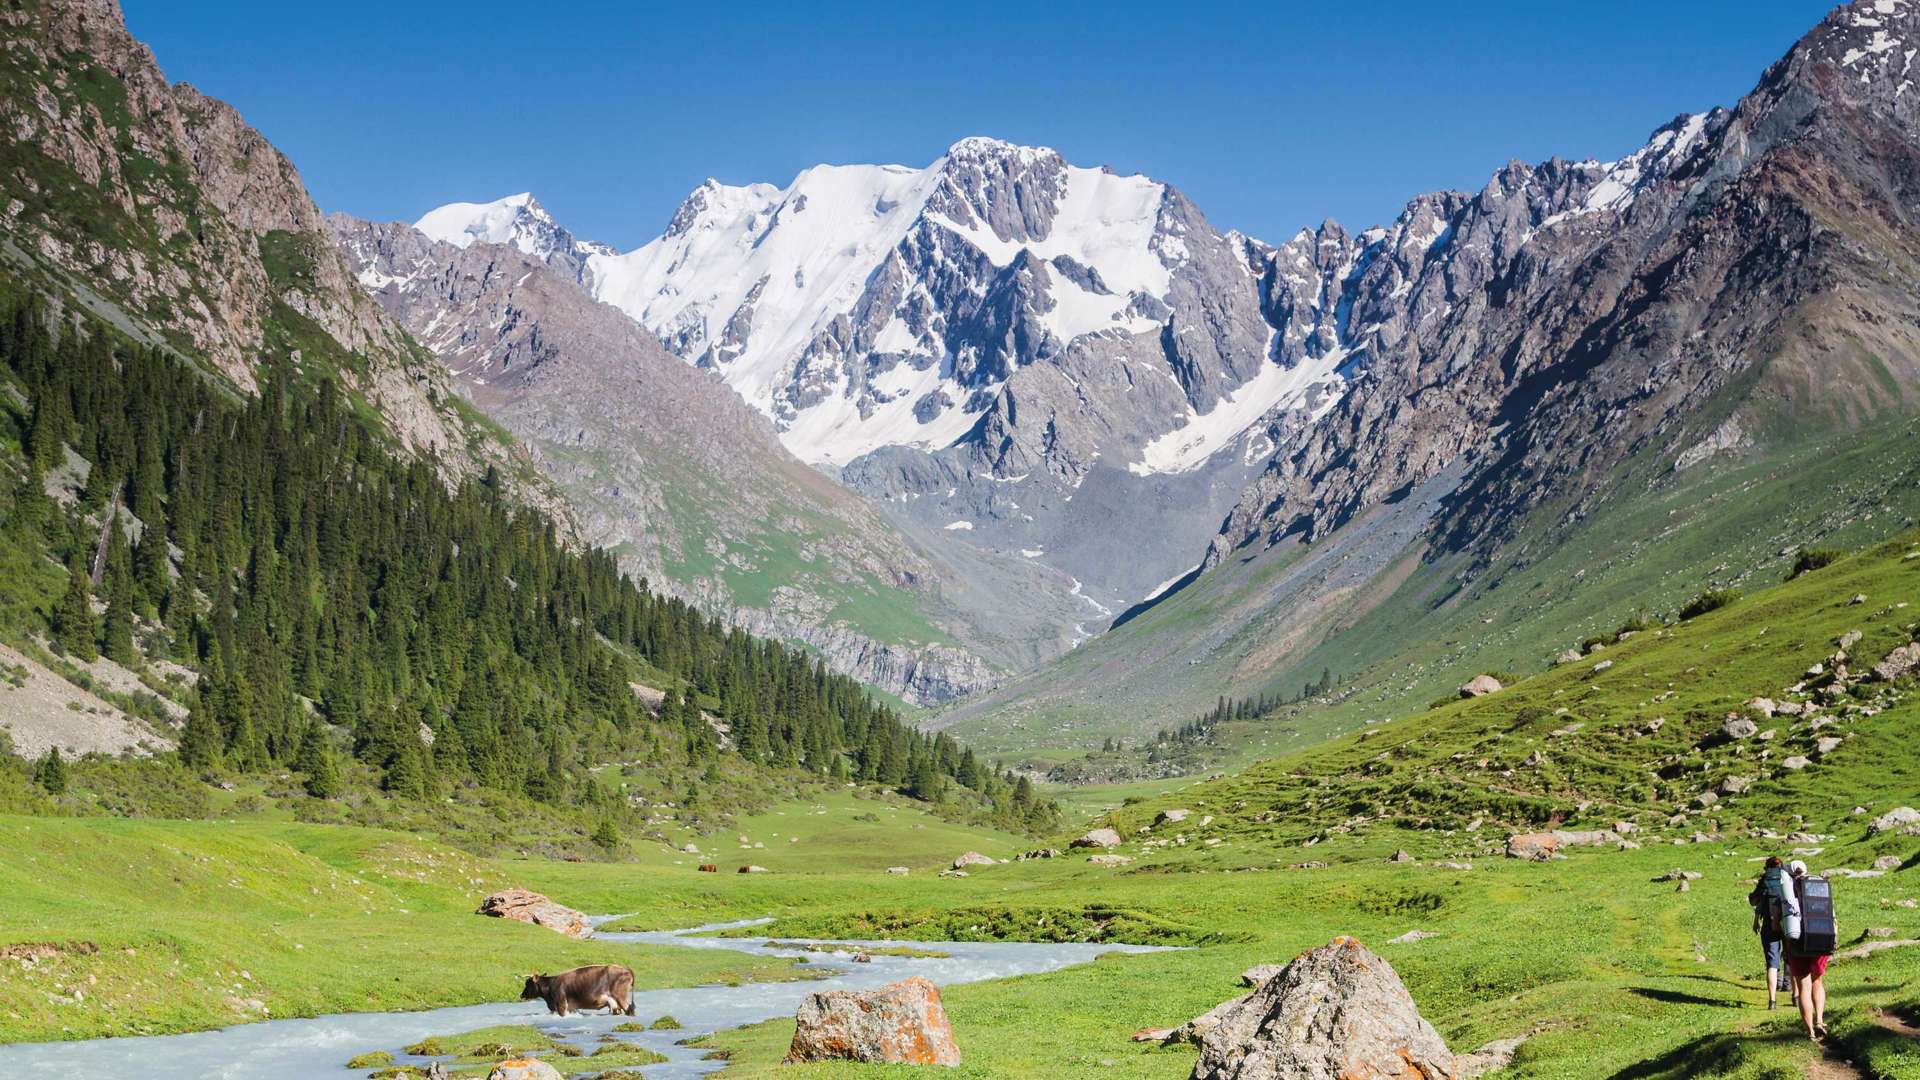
point(974, 343)
point(519, 221)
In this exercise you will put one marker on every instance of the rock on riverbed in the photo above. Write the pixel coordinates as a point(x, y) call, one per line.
point(901, 1023)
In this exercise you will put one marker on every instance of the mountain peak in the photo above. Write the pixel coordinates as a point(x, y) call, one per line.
point(985, 146)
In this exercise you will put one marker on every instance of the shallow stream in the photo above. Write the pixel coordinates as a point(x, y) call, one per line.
point(318, 1048)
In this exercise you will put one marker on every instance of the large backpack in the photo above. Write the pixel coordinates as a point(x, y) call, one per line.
point(1818, 933)
point(1783, 907)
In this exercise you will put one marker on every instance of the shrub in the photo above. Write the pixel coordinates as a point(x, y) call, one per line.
point(1813, 559)
point(1711, 600)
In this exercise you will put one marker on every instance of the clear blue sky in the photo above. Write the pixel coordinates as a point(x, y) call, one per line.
point(1269, 116)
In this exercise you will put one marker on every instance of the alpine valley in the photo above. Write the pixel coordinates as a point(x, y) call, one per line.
point(993, 554)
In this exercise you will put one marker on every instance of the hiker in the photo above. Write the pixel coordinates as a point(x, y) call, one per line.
point(1808, 953)
point(1770, 899)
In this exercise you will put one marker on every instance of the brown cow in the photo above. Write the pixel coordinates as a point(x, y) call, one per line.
point(600, 986)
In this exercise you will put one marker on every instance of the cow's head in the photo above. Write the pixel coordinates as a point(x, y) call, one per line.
point(536, 988)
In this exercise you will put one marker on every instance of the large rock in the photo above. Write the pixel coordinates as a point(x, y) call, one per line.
point(531, 907)
point(1899, 663)
point(523, 1069)
point(1337, 1012)
point(1100, 838)
point(1481, 686)
point(1738, 728)
point(1898, 819)
point(1537, 847)
point(902, 1023)
point(971, 858)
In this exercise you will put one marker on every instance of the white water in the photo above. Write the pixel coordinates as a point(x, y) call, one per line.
point(318, 1049)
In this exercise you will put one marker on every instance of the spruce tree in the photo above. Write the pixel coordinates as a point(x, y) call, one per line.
point(118, 629)
point(201, 742)
point(316, 760)
point(73, 622)
point(52, 772)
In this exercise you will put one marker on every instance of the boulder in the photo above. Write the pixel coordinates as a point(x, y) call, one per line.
point(1412, 936)
point(953, 873)
point(1705, 799)
point(1401, 856)
point(1038, 853)
point(901, 1023)
point(1537, 847)
point(1338, 1011)
point(1481, 686)
point(1100, 838)
point(971, 858)
point(530, 907)
point(1171, 817)
point(1154, 1035)
point(1795, 763)
point(1602, 666)
point(1739, 728)
point(1734, 785)
point(1109, 860)
point(1887, 862)
point(1568, 656)
point(1258, 974)
point(898, 871)
point(525, 1068)
point(1898, 819)
point(1763, 706)
point(1825, 745)
point(1899, 663)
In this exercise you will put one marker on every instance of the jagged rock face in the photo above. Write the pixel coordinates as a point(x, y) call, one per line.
point(1736, 277)
point(661, 461)
point(187, 225)
point(974, 343)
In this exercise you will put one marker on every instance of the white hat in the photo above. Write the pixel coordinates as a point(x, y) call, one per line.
point(1798, 868)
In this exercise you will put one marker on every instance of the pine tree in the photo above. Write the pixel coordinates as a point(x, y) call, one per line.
point(118, 629)
point(73, 623)
point(316, 760)
point(52, 773)
point(406, 777)
point(201, 742)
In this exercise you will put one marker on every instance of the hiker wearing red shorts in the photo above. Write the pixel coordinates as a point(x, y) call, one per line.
point(1809, 972)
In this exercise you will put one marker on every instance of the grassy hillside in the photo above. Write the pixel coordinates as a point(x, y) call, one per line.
point(1597, 957)
point(1398, 627)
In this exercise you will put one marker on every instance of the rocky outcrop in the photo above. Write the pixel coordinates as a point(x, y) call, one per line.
point(1900, 819)
point(902, 1023)
point(188, 227)
point(971, 858)
point(1097, 838)
point(1899, 663)
point(1338, 1012)
point(521, 905)
point(1571, 315)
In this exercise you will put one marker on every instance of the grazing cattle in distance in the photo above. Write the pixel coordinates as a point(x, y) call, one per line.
point(599, 986)
point(709, 868)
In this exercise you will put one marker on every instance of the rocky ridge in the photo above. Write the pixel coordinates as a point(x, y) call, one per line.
point(665, 464)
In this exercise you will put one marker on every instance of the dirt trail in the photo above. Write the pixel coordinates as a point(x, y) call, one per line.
point(1896, 1025)
point(1835, 1067)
